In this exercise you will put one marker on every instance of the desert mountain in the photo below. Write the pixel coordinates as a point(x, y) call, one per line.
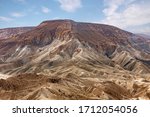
point(64, 59)
point(11, 32)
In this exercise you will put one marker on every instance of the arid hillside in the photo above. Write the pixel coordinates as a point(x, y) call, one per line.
point(12, 32)
point(64, 59)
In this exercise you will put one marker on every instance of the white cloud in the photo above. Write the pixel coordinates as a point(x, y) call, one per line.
point(70, 5)
point(17, 14)
point(6, 19)
point(45, 10)
point(126, 13)
point(111, 6)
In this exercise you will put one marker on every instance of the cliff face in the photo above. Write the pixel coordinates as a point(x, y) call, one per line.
point(75, 61)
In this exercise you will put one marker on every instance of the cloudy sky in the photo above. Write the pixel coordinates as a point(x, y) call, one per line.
point(131, 15)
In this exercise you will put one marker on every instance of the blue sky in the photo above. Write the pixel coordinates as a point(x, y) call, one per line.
point(131, 15)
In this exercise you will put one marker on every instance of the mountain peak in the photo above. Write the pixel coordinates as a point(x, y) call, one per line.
point(56, 21)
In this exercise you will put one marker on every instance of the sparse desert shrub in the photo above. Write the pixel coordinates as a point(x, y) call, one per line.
point(54, 79)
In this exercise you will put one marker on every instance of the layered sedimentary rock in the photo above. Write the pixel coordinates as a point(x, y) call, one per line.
point(64, 59)
point(12, 32)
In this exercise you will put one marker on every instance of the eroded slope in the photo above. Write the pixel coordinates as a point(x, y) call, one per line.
point(63, 59)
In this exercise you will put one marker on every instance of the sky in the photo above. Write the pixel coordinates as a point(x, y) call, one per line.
point(130, 15)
